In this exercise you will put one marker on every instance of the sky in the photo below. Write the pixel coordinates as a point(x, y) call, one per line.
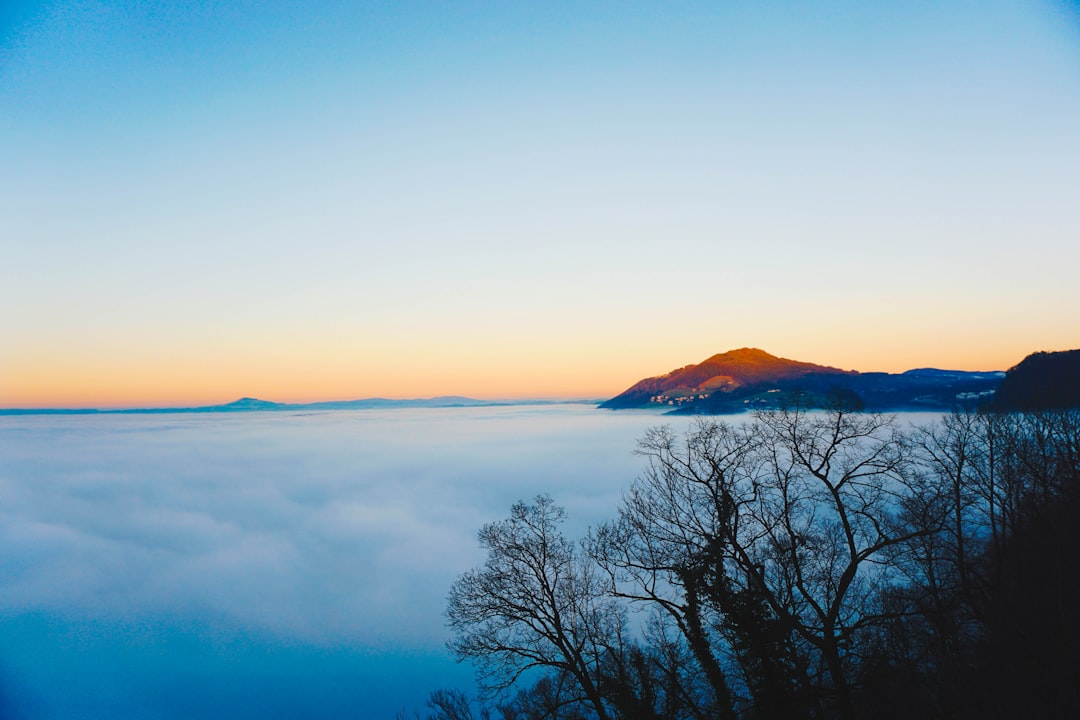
point(333, 200)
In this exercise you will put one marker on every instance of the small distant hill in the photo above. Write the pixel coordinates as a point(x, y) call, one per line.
point(247, 403)
point(1042, 381)
point(750, 378)
point(721, 374)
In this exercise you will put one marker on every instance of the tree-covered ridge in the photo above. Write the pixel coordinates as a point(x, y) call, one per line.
point(803, 565)
point(1043, 380)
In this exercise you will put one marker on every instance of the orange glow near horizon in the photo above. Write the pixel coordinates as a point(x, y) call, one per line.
point(186, 383)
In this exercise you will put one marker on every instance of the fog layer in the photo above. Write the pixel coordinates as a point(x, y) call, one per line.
point(266, 564)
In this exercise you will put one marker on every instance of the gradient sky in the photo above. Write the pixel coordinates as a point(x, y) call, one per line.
point(307, 201)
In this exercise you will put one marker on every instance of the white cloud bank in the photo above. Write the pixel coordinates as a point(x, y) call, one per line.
point(150, 561)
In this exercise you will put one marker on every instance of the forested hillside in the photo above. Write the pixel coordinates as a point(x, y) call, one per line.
point(1043, 380)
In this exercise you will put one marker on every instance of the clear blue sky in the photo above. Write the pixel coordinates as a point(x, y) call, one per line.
point(331, 200)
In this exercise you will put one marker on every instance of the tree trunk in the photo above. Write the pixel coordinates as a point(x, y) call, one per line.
point(842, 692)
point(702, 649)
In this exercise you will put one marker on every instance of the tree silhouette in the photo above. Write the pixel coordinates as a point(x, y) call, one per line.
point(534, 604)
point(823, 565)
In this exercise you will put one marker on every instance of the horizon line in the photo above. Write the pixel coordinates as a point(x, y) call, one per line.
point(270, 405)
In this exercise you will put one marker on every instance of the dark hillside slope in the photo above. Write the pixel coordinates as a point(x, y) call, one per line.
point(1042, 381)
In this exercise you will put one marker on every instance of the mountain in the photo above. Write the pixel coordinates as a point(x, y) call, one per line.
point(750, 378)
point(1042, 381)
point(248, 404)
point(244, 404)
point(723, 374)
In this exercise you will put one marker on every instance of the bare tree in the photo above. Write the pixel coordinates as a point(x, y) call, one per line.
point(669, 546)
point(657, 677)
point(534, 604)
point(995, 466)
point(766, 544)
point(829, 512)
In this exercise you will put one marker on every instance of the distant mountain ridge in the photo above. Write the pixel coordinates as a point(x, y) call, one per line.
point(248, 404)
point(750, 378)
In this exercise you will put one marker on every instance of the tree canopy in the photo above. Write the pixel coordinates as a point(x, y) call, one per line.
point(803, 565)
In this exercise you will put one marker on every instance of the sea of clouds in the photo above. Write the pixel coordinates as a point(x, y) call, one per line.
point(267, 564)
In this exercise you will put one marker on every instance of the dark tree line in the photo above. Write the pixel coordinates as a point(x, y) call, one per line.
point(801, 565)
